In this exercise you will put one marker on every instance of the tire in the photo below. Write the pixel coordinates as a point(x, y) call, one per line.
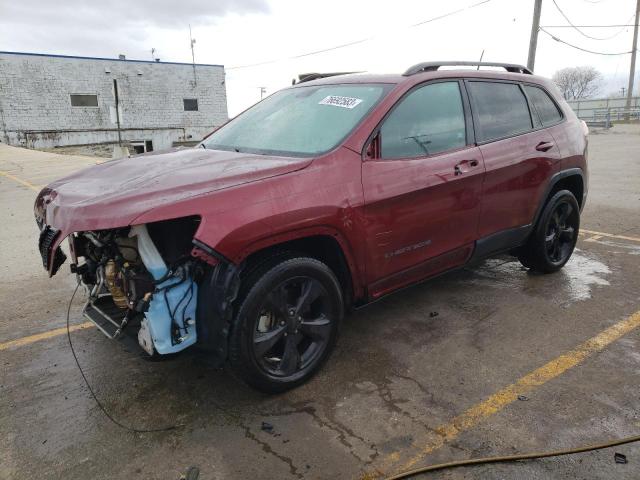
point(286, 324)
point(555, 235)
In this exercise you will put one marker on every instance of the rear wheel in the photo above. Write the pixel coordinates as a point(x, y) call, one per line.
point(287, 323)
point(554, 238)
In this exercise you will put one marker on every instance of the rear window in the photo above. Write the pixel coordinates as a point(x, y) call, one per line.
point(501, 110)
point(546, 108)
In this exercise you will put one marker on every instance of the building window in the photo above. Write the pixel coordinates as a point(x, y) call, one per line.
point(190, 104)
point(81, 100)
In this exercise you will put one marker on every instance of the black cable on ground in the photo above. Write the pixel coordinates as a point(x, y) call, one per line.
point(512, 458)
point(104, 410)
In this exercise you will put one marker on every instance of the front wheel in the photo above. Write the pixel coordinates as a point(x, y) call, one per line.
point(287, 323)
point(556, 233)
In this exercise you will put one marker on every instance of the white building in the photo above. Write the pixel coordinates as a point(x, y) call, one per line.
point(56, 100)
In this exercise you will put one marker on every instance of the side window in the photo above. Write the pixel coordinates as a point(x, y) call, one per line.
point(546, 108)
point(427, 121)
point(501, 110)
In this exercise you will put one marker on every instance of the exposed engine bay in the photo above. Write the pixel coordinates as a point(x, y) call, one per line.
point(141, 277)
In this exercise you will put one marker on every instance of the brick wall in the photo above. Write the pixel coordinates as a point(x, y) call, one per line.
point(35, 96)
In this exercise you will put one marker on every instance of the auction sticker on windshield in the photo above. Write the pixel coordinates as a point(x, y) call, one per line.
point(338, 101)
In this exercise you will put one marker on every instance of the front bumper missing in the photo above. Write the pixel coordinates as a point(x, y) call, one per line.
point(50, 258)
point(104, 313)
point(108, 318)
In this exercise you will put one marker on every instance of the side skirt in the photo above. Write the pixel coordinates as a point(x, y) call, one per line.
point(500, 242)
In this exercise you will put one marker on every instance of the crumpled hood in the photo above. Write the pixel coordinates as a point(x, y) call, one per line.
point(114, 193)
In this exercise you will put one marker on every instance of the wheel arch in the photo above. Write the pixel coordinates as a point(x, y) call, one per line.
point(571, 179)
point(323, 244)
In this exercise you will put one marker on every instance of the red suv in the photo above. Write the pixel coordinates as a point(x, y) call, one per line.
point(321, 198)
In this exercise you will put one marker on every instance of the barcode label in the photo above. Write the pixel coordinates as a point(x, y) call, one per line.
point(338, 101)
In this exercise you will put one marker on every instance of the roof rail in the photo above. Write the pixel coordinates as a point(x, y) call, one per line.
point(433, 66)
point(307, 77)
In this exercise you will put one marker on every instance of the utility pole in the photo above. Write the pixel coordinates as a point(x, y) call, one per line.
point(263, 90)
point(535, 27)
point(115, 93)
point(632, 71)
point(192, 41)
point(622, 89)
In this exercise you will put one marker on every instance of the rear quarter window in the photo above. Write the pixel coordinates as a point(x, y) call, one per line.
point(501, 110)
point(547, 109)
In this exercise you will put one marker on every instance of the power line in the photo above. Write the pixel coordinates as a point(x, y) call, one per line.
point(582, 49)
point(591, 26)
point(356, 42)
point(623, 29)
point(575, 27)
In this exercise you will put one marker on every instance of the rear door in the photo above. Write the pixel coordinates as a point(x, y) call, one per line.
point(520, 155)
point(422, 183)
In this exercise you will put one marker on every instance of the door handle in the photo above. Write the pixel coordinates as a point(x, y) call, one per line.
point(544, 146)
point(461, 167)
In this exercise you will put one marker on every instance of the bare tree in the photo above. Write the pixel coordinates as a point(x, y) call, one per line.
point(578, 82)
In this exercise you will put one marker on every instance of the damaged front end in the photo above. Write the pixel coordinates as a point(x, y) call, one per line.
point(141, 277)
point(143, 281)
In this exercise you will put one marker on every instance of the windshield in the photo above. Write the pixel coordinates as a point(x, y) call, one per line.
point(302, 121)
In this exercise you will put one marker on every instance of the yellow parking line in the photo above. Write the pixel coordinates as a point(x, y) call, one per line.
point(498, 401)
point(19, 342)
point(35, 188)
point(611, 235)
point(593, 238)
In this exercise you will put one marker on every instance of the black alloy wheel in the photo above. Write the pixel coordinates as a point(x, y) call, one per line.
point(554, 238)
point(561, 232)
point(286, 324)
point(294, 327)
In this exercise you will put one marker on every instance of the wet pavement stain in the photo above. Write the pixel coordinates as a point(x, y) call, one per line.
point(582, 273)
point(574, 282)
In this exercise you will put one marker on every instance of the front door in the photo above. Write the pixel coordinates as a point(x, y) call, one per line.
point(422, 188)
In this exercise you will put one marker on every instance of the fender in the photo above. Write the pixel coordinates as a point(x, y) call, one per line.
point(355, 272)
point(553, 182)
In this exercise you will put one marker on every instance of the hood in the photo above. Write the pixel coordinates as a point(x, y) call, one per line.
point(114, 193)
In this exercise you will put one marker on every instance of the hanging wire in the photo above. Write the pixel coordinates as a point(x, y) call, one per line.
point(585, 34)
point(583, 49)
point(93, 394)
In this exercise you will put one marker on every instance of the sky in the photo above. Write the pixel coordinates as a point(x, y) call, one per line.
point(396, 34)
